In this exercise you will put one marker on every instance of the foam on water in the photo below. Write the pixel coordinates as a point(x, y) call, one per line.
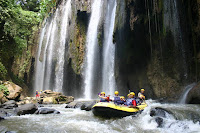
point(76, 120)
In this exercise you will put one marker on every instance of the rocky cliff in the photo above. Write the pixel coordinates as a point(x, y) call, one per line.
point(157, 47)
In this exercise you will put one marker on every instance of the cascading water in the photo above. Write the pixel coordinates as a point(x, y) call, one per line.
point(40, 67)
point(39, 80)
point(49, 70)
point(186, 91)
point(182, 119)
point(91, 47)
point(49, 55)
point(109, 49)
point(61, 49)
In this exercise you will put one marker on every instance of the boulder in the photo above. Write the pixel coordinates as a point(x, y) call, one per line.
point(3, 99)
point(64, 99)
point(160, 112)
point(3, 114)
point(159, 121)
point(1, 95)
point(49, 100)
point(50, 97)
point(14, 91)
point(47, 111)
point(9, 104)
point(83, 105)
point(26, 109)
point(74, 104)
point(88, 105)
point(49, 93)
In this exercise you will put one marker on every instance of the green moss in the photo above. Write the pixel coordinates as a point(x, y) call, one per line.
point(78, 46)
point(5, 90)
point(3, 71)
point(26, 62)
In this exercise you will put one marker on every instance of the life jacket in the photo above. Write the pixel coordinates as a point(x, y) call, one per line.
point(120, 102)
point(117, 99)
point(129, 101)
point(104, 100)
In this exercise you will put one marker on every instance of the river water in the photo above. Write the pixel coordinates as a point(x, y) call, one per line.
point(78, 121)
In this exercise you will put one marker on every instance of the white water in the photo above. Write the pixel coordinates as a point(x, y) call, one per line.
point(91, 47)
point(186, 91)
point(40, 68)
point(109, 49)
point(77, 121)
point(50, 49)
point(49, 72)
point(39, 80)
point(61, 49)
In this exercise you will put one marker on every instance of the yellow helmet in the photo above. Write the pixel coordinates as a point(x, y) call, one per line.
point(132, 93)
point(142, 90)
point(103, 93)
point(122, 97)
point(36, 90)
point(116, 92)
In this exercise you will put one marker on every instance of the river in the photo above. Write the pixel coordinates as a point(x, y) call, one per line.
point(78, 121)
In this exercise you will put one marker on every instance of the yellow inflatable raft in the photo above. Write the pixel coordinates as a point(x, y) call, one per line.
point(111, 110)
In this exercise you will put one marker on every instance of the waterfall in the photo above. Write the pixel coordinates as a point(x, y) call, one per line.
point(61, 49)
point(109, 49)
point(91, 47)
point(39, 78)
point(186, 91)
point(51, 52)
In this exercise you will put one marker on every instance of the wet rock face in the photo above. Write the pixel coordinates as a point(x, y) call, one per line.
point(160, 112)
point(194, 95)
point(83, 105)
point(3, 114)
point(26, 109)
point(159, 121)
point(47, 111)
point(83, 5)
point(9, 105)
point(88, 106)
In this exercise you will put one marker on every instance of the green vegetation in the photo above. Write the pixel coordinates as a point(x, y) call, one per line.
point(4, 89)
point(3, 71)
point(19, 20)
point(47, 6)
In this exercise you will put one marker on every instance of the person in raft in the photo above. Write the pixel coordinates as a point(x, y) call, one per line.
point(104, 98)
point(37, 94)
point(141, 94)
point(122, 101)
point(131, 101)
point(117, 98)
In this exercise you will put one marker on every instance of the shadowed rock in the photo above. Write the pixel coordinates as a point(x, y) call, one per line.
point(3, 114)
point(47, 111)
point(9, 105)
point(88, 105)
point(160, 112)
point(159, 121)
point(26, 109)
